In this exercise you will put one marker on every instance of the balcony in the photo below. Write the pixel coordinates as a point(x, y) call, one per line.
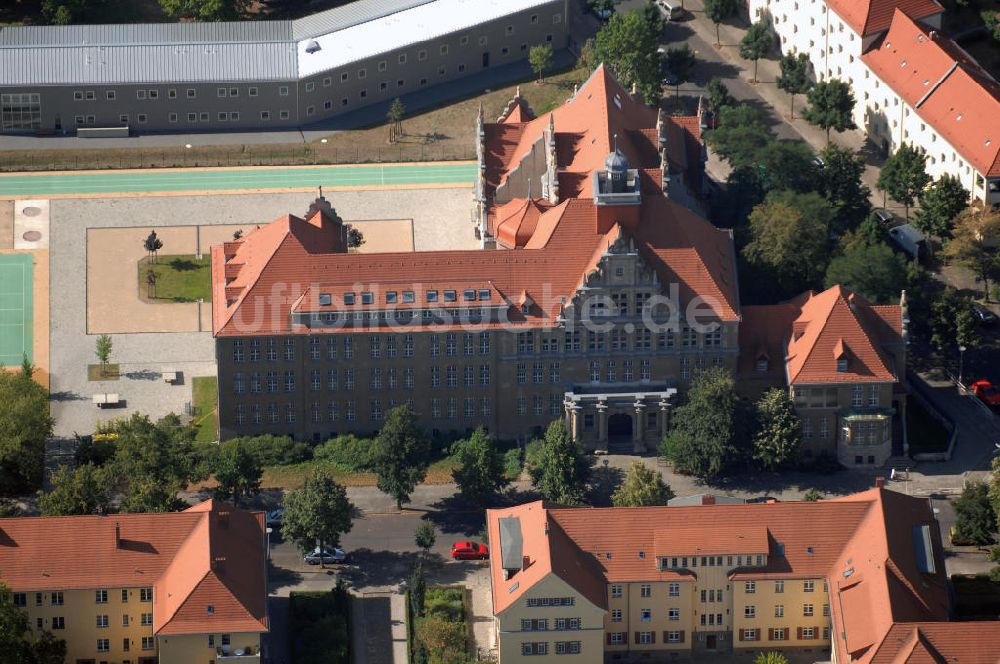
point(229, 654)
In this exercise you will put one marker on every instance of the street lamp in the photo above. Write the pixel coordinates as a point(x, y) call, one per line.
point(961, 365)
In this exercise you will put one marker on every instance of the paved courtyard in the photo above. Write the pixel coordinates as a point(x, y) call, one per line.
point(437, 219)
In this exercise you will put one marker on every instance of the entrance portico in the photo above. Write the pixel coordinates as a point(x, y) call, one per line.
point(636, 415)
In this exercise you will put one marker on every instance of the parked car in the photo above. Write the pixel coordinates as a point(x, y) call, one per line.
point(672, 10)
point(983, 315)
point(884, 216)
point(275, 518)
point(327, 555)
point(987, 392)
point(470, 551)
point(910, 240)
point(670, 79)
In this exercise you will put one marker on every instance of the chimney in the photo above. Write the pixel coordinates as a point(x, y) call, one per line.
point(933, 35)
point(219, 564)
point(708, 500)
point(879, 482)
point(525, 563)
point(118, 535)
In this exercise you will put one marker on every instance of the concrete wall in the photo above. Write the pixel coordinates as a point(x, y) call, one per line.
point(198, 648)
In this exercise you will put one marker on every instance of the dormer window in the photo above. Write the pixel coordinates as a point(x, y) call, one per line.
point(349, 298)
point(484, 293)
point(450, 296)
point(390, 297)
point(408, 297)
point(842, 364)
point(526, 309)
point(469, 295)
point(762, 365)
point(367, 297)
point(432, 296)
point(325, 299)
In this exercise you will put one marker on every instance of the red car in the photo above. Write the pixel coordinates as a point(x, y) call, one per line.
point(469, 551)
point(987, 392)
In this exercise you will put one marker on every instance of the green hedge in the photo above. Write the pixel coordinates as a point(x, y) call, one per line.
point(319, 627)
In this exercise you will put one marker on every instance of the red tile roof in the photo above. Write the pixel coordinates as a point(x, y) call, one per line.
point(805, 336)
point(945, 86)
point(863, 545)
point(288, 263)
point(211, 554)
point(867, 17)
point(938, 643)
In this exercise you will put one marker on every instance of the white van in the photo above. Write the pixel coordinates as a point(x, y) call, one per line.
point(672, 9)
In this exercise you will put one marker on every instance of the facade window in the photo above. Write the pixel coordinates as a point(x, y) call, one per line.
point(857, 395)
point(57, 598)
point(674, 589)
point(673, 614)
point(147, 643)
point(616, 590)
point(146, 620)
point(749, 611)
point(750, 587)
point(617, 638)
point(779, 634)
point(779, 586)
point(103, 645)
point(101, 596)
point(873, 395)
point(807, 610)
point(645, 590)
point(808, 586)
point(102, 621)
point(779, 610)
point(750, 634)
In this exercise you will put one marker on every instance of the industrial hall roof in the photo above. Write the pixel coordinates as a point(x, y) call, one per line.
point(878, 551)
point(210, 555)
point(535, 281)
point(233, 51)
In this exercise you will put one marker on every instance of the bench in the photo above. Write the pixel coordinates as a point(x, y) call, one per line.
point(106, 400)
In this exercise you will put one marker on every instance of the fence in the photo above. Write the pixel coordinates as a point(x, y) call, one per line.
point(243, 155)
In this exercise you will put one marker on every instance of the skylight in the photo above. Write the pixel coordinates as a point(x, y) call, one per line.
point(484, 293)
point(367, 297)
point(450, 296)
point(469, 295)
point(390, 297)
point(432, 296)
point(325, 299)
point(348, 298)
point(408, 296)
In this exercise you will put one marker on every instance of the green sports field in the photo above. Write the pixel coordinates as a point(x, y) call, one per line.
point(235, 179)
point(16, 308)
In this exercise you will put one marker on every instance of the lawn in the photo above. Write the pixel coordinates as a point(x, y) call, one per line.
point(293, 476)
point(924, 431)
point(107, 372)
point(319, 627)
point(976, 597)
point(205, 391)
point(182, 278)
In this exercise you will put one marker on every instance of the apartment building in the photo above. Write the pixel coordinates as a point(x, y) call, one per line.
point(180, 588)
point(911, 84)
point(854, 579)
point(596, 297)
point(238, 76)
point(843, 361)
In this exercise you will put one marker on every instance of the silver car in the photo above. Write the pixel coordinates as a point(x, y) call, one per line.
point(326, 556)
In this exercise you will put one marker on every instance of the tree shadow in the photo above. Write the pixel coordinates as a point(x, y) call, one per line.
point(282, 577)
point(454, 515)
point(831, 483)
point(145, 374)
point(66, 395)
point(604, 481)
point(184, 265)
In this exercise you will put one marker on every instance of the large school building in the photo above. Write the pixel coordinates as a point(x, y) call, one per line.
point(187, 77)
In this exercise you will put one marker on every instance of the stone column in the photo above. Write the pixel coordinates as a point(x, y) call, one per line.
point(602, 425)
point(664, 417)
point(638, 445)
point(575, 428)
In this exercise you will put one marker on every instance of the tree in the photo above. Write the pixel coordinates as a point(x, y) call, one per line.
point(563, 468)
point(480, 474)
point(642, 488)
point(704, 438)
point(540, 58)
point(871, 231)
point(680, 62)
point(418, 589)
point(25, 423)
point(904, 175)
point(777, 432)
point(975, 520)
point(718, 11)
point(425, 536)
point(874, 271)
point(317, 514)
point(441, 636)
point(940, 203)
point(400, 455)
point(153, 462)
point(202, 10)
point(627, 45)
point(789, 239)
point(355, 238)
point(794, 78)
point(951, 321)
point(719, 96)
point(756, 44)
point(771, 657)
point(13, 629)
point(840, 183)
point(152, 244)
point(991, 19)
point(238, 473)
point(102, 349)
point(395, 116)
point(83, 490)
point(831, 104)
point(786, 165)
point(237, 234)
point(971, 246)
point(812, 495)
point(740, 137)
point(47, 649)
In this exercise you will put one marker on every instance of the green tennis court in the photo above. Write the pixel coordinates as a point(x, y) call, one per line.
point(233, 179)
point(16, 308)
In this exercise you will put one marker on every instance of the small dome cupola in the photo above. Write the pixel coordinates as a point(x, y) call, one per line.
point(616, 165)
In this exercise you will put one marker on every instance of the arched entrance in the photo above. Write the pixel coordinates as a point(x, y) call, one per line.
point(620, 427)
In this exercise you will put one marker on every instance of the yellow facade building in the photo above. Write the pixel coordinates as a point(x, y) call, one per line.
point(830, 578)
point(185, 587)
